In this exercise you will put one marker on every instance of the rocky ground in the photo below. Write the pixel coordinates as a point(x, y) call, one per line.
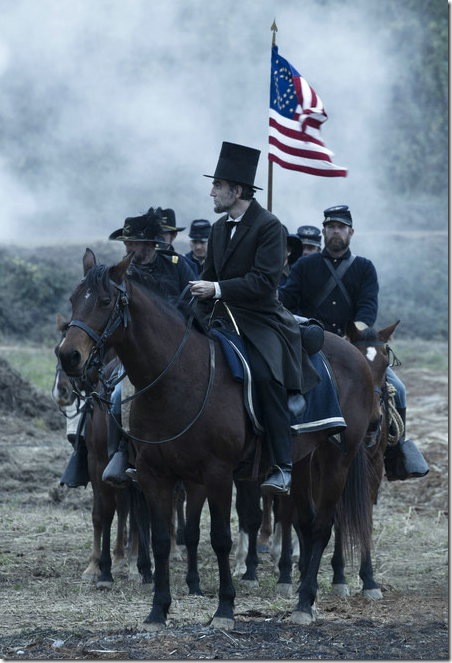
point(47, 612)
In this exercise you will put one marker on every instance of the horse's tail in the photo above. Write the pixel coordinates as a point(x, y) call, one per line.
point(354, 510)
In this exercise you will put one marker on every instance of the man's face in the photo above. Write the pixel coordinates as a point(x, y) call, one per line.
point(337, 236)
point(199, 247)
point(309, 248)
point(144, 252)
point(168, 236)
point(224, 196)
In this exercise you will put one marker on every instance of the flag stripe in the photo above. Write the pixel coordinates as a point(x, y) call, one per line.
point(334, 171)
point(295, 117)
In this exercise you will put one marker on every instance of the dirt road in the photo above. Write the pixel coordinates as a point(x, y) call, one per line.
point(47, 612)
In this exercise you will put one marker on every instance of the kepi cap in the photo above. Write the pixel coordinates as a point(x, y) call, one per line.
point(310, 235)
point(200, 230)
point(339, 213)
point(144, 228)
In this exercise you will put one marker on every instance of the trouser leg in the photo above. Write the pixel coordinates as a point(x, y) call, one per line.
point(404, 460)
point(275, 415)
point(76, 471)
point(115, 471)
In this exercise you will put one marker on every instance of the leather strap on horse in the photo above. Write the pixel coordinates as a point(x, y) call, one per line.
point(335, 280)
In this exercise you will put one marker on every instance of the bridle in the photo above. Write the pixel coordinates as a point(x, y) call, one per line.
point(120, 316)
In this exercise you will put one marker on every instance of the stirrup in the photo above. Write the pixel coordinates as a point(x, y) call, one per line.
point(278, 483)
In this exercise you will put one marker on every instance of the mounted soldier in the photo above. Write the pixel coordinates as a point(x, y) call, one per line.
point(335, 286)
point(158, 267)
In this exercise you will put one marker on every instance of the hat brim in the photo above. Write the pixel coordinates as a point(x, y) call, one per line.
point(215, 177)
point(331, 219)
point(311, 242)
point(117, 235)
point(171, 229)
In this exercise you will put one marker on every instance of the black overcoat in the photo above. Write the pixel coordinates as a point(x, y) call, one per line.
point(248, 268)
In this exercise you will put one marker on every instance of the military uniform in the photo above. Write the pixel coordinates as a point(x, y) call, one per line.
point(308, 276)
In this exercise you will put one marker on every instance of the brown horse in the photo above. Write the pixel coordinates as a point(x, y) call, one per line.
point(195, 427)
point(373, 345)
point(107, 500)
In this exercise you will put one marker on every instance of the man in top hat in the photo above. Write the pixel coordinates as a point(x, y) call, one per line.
point(199, 234)
point(244, 263)
point(167, 274)
point(335, 286)
point(311, 238)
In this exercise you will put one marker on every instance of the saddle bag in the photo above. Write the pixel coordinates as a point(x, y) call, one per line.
point(312, 334)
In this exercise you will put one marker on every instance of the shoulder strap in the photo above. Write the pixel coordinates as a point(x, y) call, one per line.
point(335, 280)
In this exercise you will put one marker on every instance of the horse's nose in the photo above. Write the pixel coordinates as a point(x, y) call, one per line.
point(70, 361)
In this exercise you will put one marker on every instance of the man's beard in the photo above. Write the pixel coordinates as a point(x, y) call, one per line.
point(337, 244)
point(220, 208)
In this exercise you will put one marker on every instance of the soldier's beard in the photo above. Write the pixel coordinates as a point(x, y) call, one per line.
point(337, 244)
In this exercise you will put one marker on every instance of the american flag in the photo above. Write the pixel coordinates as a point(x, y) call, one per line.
point(296, 114)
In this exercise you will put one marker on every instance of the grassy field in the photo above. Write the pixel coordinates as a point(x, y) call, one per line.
point(36, 364)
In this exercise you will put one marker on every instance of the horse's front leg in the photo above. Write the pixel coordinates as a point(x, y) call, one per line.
point(219, 496)
point(196, 496)
point(159, 495)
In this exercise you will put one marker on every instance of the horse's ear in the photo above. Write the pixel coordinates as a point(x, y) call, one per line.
point(89, 260)
point(118, 272)
point(352, 332)
point(386, 333)
point(61, 323)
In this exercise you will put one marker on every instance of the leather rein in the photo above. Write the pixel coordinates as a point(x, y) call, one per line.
point(120, 316)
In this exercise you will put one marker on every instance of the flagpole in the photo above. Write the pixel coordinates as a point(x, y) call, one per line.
point(274, 29)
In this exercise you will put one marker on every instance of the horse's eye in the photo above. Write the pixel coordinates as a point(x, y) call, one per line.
point(105, 301)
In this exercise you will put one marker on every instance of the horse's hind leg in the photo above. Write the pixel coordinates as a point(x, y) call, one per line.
point(250, 518)
point(139, 531)
point(285, 517)
point(122, 503)
point(339, 585)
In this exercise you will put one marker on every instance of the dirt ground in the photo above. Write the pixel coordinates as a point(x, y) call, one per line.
point(47, 612)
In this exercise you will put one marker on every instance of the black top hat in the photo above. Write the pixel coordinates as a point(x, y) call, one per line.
point(200, 230)
point(237, 163)
point(310, 235)
point(144, 228)
point(339, 213)
point(169, 221)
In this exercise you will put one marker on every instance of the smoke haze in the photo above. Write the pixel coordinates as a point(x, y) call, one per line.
point(113, 106)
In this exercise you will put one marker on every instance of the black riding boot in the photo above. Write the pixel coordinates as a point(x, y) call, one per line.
point(403, 460)
point(115, 471)
point(76, 472)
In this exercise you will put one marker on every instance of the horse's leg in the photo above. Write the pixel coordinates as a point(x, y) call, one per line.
point(92, 570)
point(122, 504)
point(316, 532)
point(159, 496)
point(181, 497)
point(196, 496)
point(250, 518)
point(339, 585)
point(265, 532)
point(219, 496)
point(140, 533)
point(105, 578)
point(285, 517)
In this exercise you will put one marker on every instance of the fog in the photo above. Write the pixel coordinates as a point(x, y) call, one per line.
point(112, 106)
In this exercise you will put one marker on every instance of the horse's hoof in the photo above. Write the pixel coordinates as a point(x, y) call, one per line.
point(120, 568)
point(154, 626)
point(340, 590)
point(373, 594)
point(249, 584)
point(239, 570)
point(222, 623)
point(104, 584)
point(301, 618)
point(283, 589)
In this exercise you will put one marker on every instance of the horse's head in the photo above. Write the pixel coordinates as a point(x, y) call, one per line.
point(62, 391)
point(374, 346)
point(99, 308)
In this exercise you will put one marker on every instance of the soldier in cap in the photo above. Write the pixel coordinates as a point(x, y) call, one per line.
point(162, 271)
point(311, 238)
point(335, 286)
point(244, 263)
point(198, 235)
point(169, 228)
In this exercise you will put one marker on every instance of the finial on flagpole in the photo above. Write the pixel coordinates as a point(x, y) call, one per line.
point(274, 29)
